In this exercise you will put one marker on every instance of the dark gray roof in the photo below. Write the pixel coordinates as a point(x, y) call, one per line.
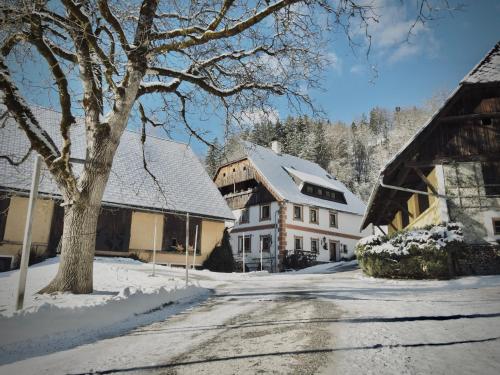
point(488, 70)
point(183, 179)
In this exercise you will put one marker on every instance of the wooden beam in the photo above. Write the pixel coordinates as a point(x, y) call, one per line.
point(401, 206)
point(471, 116)
point(425, 179)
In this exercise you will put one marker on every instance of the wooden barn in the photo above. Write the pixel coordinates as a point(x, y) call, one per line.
point(133, 203)
point(450, 170)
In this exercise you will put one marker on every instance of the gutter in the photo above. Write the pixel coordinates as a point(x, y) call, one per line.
point(381, 182)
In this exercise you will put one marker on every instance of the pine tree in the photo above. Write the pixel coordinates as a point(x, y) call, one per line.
point(221, 258)
point(214, 157)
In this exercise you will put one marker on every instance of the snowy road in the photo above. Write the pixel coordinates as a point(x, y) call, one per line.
point(341, 323)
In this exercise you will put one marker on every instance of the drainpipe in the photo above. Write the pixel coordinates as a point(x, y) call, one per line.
point(275, 241)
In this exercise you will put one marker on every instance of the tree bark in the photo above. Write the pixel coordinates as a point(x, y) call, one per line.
point(78, 247)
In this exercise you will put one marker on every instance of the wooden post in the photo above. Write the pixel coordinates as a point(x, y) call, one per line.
point(187, 246)
point(195, 246)
point(243, 252)
point(25, 256)
point(261, 253)
point(154, 249)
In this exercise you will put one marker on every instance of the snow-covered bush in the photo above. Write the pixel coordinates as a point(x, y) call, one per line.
point(418, 253)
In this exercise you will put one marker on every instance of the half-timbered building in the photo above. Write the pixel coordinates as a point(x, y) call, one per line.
point(284, 204)
point(135, 206)
point(450, 170)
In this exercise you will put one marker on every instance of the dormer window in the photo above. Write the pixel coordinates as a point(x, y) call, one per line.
point(323, 193)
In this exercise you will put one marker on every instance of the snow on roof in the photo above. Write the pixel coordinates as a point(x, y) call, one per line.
point(275, 169)
point(488, 70)
point(185, 184)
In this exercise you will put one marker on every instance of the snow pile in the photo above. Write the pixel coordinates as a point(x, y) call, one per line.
point(327, 267)
point(123, 291)
point(436, 236)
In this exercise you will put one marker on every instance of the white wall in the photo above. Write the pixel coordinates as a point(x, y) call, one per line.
point(253, 255)
point(347, 223)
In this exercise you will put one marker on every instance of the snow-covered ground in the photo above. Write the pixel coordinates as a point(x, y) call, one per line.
point(125, 296)
point(327, 320)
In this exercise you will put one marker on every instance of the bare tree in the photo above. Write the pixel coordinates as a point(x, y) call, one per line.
point(220, 56)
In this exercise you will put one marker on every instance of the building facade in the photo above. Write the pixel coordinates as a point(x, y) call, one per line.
point(284, 204)
point(134, 206)
point(450, 170)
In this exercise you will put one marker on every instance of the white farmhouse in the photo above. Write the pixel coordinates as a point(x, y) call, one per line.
point(284, 205)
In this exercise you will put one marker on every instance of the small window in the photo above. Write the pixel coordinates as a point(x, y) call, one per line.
point(174, 242)
point(297, 213)
point(496, 226)
point(345, 249)
point(314, 245)
point(313, 215)
point(486, 121)
point(298, 243)
point(334, 220)
point(248, 244)
point(309, 189)
point(234, 169)
point(224, 174)
point(265, 243)
point(265, 212)
point(491, 178)
point(245, 216)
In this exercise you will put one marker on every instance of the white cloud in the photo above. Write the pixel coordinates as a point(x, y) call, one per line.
point(396, 36)
point(357, 69)
point(334, 62)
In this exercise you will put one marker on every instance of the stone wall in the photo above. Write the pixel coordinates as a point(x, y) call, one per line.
point(468, 203)
point(478, 260)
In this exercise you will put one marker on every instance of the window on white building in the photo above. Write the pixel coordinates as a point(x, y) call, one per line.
point(245, 216)
point(248, 244)
point(298, 241)
point(297, 212)
point(265, 243)
point(313, 215)
point(265, 212)
point(314, 245)
point(334, 220)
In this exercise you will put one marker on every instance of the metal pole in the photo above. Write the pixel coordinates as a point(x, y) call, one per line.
point(195, 246)
point(154, 249)
point(25, 256)
point(187, 245)
point(243, 252)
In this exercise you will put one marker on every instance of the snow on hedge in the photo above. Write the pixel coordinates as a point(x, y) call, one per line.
point(123, 292)
point(437, 236)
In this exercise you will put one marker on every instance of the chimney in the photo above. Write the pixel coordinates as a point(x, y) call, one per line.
point(276, 147)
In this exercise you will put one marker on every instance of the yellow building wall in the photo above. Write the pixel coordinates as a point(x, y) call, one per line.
point(142, 231)
point(420, 219)
point(16, 220)
point(211, 235)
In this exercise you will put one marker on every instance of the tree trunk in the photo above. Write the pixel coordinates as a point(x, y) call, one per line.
point(78, 247)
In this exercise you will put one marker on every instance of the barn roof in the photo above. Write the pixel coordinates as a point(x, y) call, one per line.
point(279, 171)
point(185, 185)
point(487, 71)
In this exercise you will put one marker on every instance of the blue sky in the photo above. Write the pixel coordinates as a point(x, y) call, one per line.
point(436, 58)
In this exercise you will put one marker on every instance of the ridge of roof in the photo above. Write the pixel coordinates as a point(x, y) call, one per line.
point(492, 74)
